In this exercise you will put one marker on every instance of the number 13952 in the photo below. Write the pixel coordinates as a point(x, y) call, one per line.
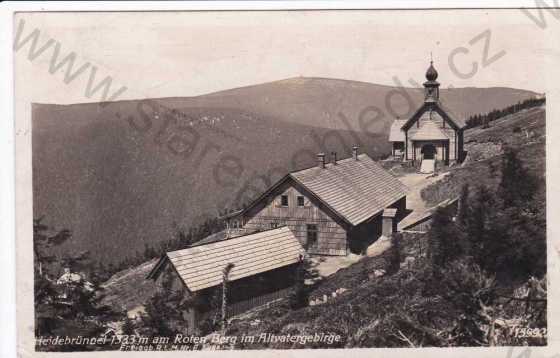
point(528, 332)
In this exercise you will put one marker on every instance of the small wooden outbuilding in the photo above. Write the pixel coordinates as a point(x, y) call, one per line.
point(263, 268)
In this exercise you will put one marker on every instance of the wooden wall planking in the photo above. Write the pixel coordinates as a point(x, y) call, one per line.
point(331, 233)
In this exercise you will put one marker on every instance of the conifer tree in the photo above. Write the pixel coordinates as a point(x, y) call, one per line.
point(444, 240)
point(128, 326)
point(164, 311)
point(66, 308)
point(300, 296)
point(480, 226)
point(48, 310)
point(463, 205)
point(517, 185)
point(395, 253)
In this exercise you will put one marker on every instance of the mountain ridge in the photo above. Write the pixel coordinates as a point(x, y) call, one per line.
point(303, 79)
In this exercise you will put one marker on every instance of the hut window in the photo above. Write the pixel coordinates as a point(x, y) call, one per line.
point(284, 200)
point(300, 201)
point(311, 234)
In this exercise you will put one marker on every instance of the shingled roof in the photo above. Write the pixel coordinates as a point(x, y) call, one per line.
point(354, 189)
point(201, 266)
point(396, 134)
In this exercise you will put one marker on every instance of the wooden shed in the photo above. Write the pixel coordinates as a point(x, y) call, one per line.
point(264, 268)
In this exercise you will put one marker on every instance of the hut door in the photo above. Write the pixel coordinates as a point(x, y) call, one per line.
point(312, 234)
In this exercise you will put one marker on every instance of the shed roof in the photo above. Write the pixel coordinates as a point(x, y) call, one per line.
point(389, 213)
point(395, 133)
point(354, 189)
point(429, 131)
point(202, 266)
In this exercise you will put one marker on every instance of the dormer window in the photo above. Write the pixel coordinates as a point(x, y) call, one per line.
point(284, 200)
point(300, 201)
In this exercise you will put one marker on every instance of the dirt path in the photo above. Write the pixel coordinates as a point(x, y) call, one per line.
point(416, 182)
point(327, 265)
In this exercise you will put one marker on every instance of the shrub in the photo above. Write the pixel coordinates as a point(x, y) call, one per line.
point(300, 296)
point(395, 254)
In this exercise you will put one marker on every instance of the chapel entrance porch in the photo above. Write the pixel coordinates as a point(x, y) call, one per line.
point(428, 151)
point(436, 150)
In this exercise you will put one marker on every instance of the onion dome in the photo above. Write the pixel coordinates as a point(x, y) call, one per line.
point(431, 74)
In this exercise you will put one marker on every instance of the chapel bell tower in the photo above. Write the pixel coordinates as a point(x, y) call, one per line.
point(431, 86)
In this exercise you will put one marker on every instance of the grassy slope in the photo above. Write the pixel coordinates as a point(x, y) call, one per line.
point(354, 314)
point(128, 289)
point(117, 189)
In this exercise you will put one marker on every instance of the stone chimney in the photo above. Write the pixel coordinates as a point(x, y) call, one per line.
point(333, 155)
point(321, 160)
point(389, 225)
point(355, 152)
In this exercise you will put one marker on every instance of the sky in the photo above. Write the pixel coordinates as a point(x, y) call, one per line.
point(166, 54)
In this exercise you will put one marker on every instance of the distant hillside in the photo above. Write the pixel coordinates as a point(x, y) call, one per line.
point(118, 186)
point(129, 289)
point(318, 101)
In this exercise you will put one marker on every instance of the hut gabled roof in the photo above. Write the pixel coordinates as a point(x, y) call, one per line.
point(355, 189)
point(202, 266)
point(352, 190)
